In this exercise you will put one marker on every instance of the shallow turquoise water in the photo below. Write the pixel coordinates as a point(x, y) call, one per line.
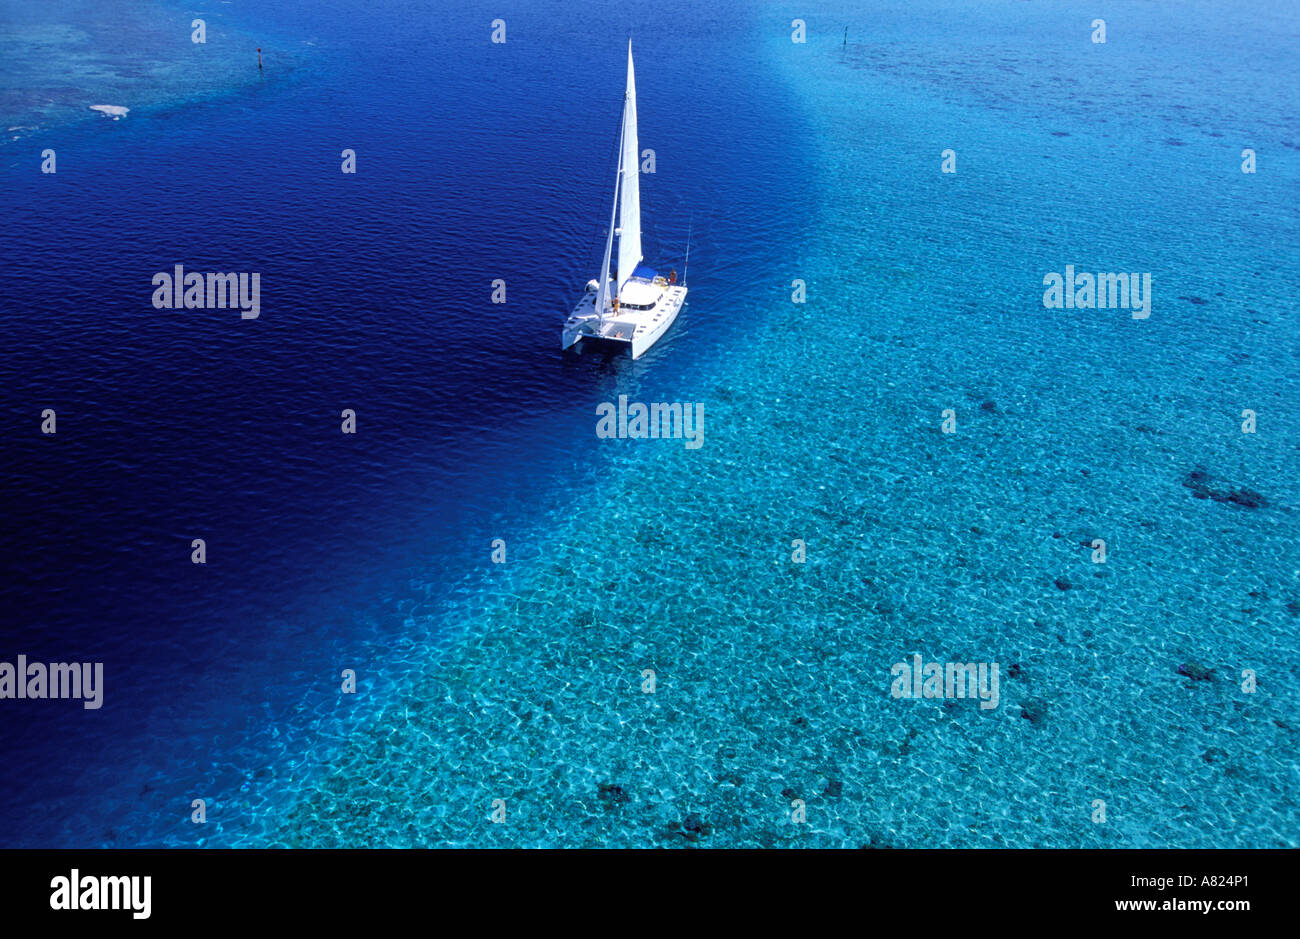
point(62, 57)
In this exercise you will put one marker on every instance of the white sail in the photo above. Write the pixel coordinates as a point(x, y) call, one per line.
point(629, 214)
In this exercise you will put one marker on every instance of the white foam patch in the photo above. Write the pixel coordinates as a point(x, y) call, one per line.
point(115, 111)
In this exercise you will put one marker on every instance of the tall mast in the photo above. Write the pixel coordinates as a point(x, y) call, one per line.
point(602, 291)
point(629, 214)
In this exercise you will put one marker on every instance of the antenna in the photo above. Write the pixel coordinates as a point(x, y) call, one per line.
point(688, 250)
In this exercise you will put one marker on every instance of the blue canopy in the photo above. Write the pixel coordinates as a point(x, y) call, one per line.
point(642, 270)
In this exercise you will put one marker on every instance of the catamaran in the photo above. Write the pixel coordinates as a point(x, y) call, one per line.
point(636, 306)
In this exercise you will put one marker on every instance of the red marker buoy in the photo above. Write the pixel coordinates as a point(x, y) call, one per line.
point(259, 57)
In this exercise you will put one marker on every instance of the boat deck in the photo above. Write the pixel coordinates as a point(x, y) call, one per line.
point(638, 328)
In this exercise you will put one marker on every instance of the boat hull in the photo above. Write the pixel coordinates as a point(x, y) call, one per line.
point(634, 330)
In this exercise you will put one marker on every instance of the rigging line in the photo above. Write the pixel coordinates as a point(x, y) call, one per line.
point(598, 242)
point(618, 188)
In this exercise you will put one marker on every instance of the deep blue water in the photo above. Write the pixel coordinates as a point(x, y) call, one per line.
point(479, 161)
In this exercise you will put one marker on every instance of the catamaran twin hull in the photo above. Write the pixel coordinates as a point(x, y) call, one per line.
point(636, 329)
point(633, 306)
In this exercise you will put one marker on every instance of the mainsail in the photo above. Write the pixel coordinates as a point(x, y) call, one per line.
point(629, 214)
